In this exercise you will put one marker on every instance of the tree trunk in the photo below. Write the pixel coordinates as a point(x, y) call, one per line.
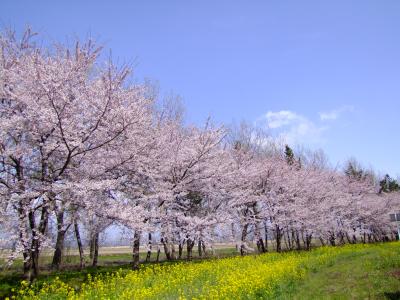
point(166, 248)
point(385, 238)
point(58, 252)
point(341, 236)
point(32, 224)
point(91, 246)
point(149, 247)
point(278, 237)
point(35, 263)
point(23, 226)
point(266, 236)
point(95, 249)
point(204, 249)
point(26, 256)
point(297, 239)
point(79, 243)
point(35, 246)
point(261, 246)
point(288, 239)
point(173, 252)
point(180, 250)
point(285, 239)
point(354, 236)
point(332, 239)
point(199, 248)
point(243, 239)
point(27, 265)
point(308, 241)
point(189, 248)
point(158, 254)
point(59, 248)
point(136, 245)
point(293, 238)
point(348, 238)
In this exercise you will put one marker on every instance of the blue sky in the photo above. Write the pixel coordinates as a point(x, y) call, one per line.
point(324, 74)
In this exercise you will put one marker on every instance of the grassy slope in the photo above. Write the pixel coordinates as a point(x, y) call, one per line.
point(371, 274)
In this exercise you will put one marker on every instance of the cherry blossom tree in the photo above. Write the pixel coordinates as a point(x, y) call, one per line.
point(59, 109)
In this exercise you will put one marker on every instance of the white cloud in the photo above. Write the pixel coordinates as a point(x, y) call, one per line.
point(280, 118)
point(336, 113)
point(293, 128)
point(332, 115)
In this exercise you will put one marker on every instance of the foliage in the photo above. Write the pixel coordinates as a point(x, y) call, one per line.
point(388, 184)
point(289, 155)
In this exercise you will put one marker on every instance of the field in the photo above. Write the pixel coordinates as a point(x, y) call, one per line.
point(347, 272)
point(110, 259)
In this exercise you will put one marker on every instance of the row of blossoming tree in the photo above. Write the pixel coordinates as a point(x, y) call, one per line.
point(84, 148)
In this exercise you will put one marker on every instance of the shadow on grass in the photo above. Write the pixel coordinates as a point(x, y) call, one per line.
point(392, 295)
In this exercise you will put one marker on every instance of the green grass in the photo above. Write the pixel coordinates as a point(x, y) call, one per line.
point(373, 273)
